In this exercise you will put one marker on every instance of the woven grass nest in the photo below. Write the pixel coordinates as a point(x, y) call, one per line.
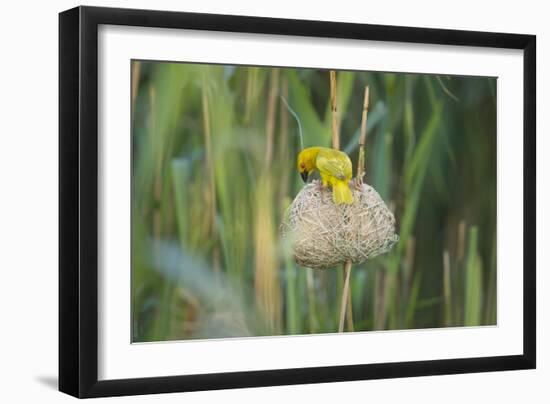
point(323, 234)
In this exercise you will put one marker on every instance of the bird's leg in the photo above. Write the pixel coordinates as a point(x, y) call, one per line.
point(321, 188)
point(321, 185)
point(358, 182)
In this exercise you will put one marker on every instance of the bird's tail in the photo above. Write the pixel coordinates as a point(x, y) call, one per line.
point(341, 194)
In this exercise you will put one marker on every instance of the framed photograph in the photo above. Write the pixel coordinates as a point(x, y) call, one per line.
point(252, 201)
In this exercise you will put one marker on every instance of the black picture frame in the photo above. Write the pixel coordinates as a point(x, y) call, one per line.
point(78, 201)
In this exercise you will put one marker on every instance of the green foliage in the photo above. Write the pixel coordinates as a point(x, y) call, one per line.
point(207, 259)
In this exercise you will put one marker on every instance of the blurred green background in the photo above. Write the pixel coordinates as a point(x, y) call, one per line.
point(213, 171)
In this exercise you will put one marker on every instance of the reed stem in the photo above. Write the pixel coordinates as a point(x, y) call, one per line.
point(334, 109)
point(363, 137)
point(346, 294)
point(211, 170)
point(271, 111)
point(447, 288)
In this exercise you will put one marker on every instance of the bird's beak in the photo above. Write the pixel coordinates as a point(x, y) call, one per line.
point(304, 175)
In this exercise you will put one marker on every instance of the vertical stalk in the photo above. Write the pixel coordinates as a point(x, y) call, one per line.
point(251, 92)
point(266, 280)
point(346, 295)
point(283, 151)
point(447, 288)
point(210, 168)
point(334, 109)
point(363, 138)
point(157, 181)
point(349, 311)
point(271, 110)
point(136, 68)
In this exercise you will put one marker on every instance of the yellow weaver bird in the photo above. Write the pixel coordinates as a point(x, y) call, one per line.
point(334, 167)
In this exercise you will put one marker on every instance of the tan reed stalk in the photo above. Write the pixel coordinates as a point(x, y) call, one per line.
point(136, 68)
point(334, 108)
point(210, 167)
point(251, 91)
point(359, 178)
point(349, 311)
point(283, 152)
point(267, 284)
point(266, 280)
point(363, 138)
point(346, 295)
point(271, 111)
